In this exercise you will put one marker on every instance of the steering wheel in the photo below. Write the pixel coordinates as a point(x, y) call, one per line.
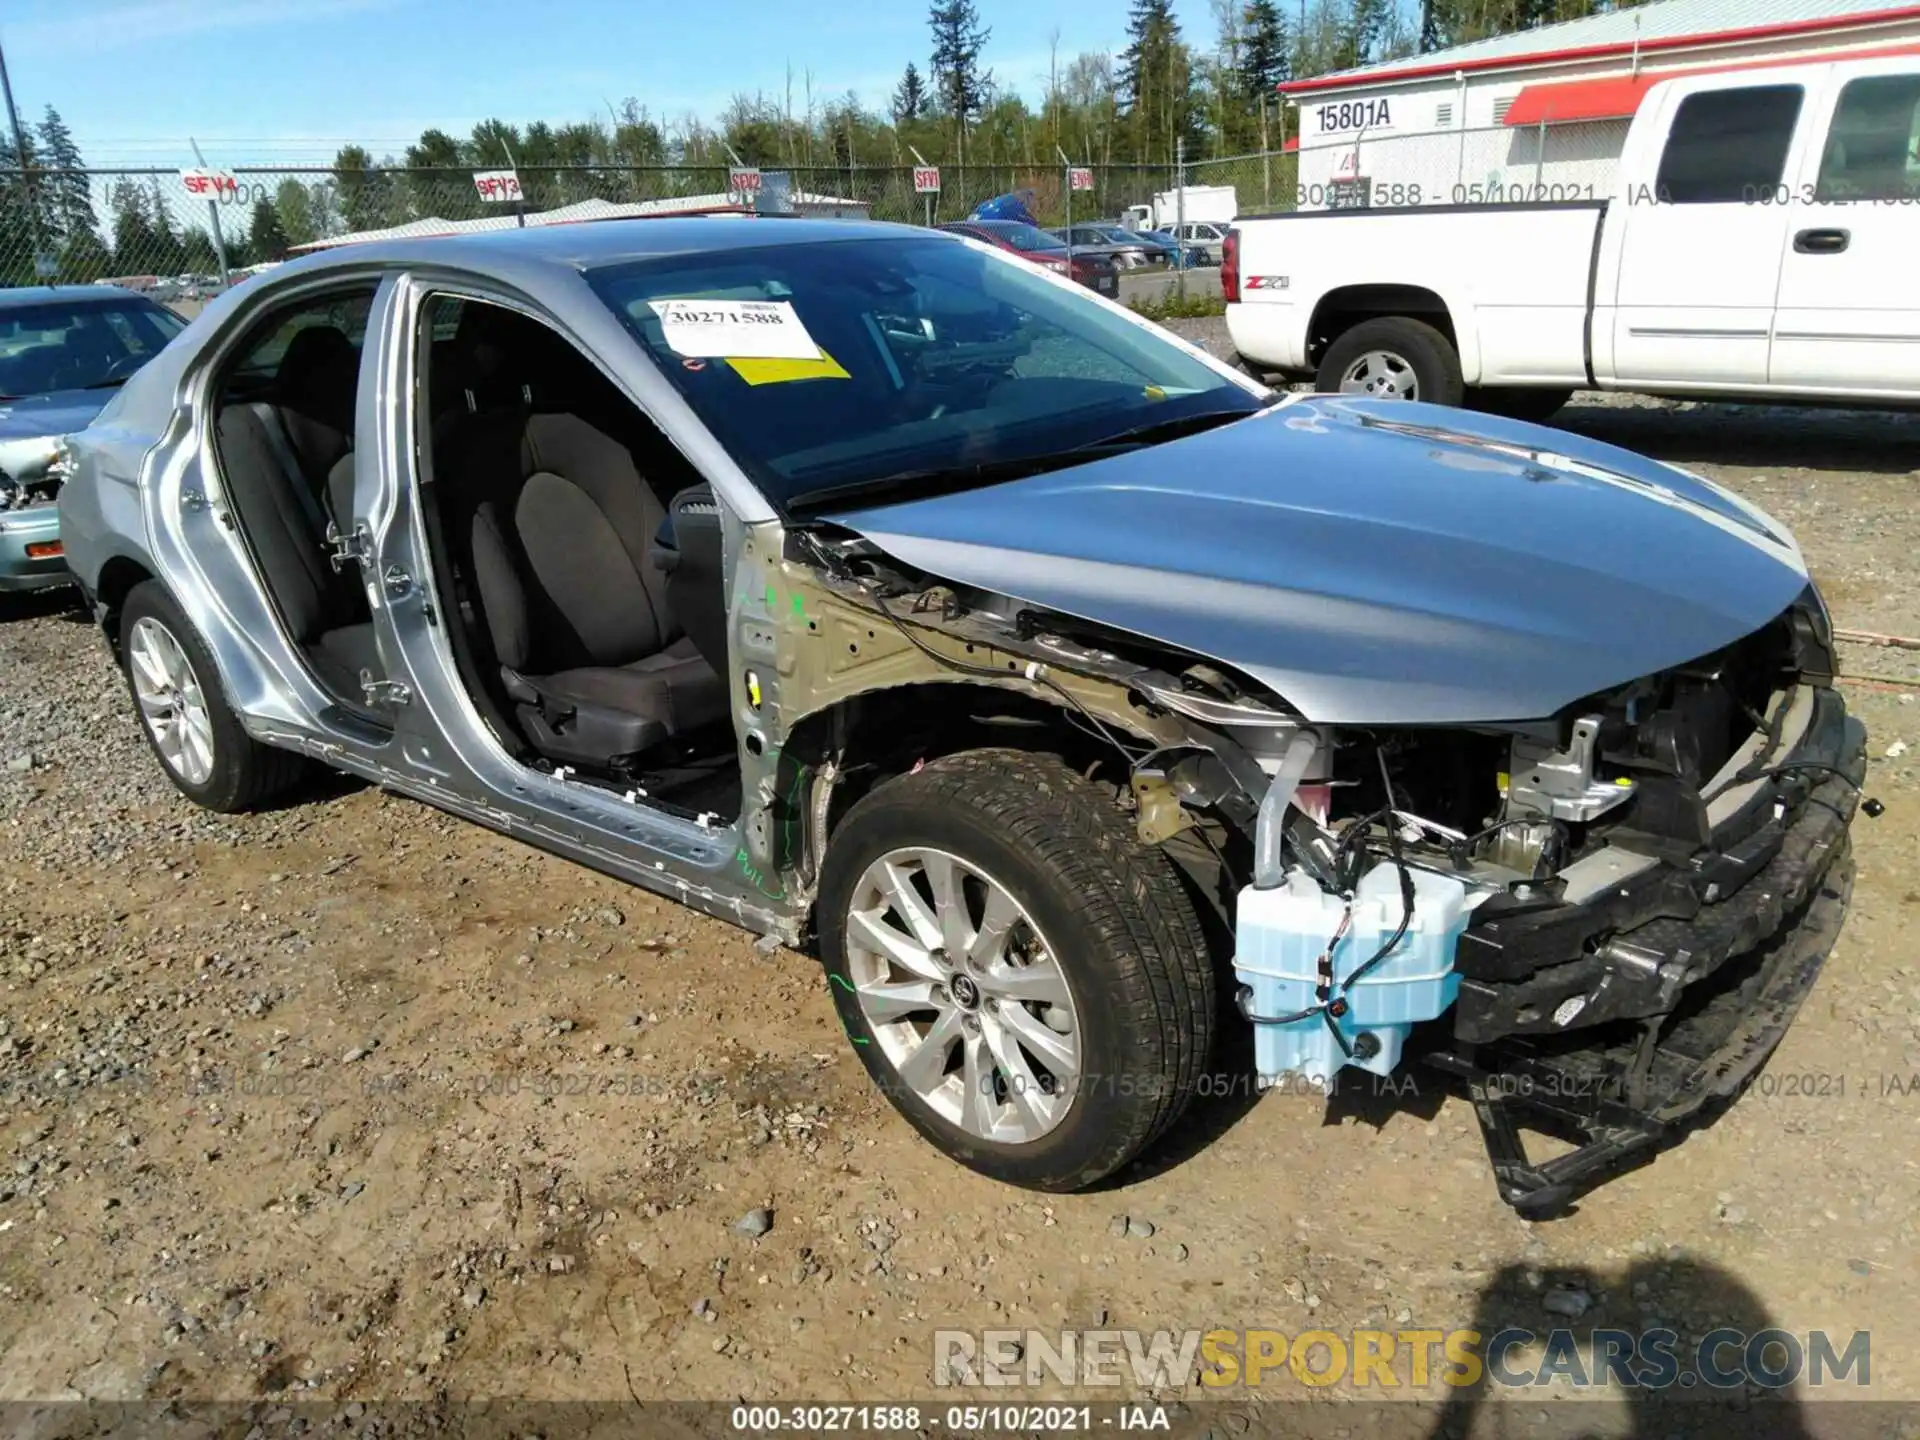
point(121, 367)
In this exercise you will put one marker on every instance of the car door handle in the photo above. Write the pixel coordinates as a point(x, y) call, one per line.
point(1820, 242)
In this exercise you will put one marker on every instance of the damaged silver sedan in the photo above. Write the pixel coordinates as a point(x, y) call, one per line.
point(1074, 696)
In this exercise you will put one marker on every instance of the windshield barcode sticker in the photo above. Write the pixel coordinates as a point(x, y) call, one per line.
point(734, 330)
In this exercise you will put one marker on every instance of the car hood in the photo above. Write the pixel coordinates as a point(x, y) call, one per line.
point(60, 412)
point(1377, 562)
point(30, 425)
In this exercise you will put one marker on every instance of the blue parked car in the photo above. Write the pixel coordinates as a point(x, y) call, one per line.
point(63, 352)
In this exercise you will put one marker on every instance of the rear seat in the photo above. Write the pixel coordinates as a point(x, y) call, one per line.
point(283, 460)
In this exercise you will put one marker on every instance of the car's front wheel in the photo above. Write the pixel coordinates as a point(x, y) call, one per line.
point(1024, 978)
point(199, 740)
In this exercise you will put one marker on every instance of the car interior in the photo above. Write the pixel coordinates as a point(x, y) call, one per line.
point(284, 434)
point(582, 554)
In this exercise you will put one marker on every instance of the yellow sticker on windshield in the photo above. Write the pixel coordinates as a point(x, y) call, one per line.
point(1154, 392)
point(757, 371)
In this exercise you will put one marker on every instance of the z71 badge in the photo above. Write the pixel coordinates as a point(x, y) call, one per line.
point(1266, 282)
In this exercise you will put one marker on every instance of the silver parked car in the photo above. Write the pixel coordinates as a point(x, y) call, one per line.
point(1075, 696)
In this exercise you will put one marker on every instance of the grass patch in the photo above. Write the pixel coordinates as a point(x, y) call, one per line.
point(1172, 307)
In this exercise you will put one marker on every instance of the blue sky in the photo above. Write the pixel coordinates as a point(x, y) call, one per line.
point(263, 80)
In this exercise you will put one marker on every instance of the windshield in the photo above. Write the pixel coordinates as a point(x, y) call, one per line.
point(827, 366)
point(79, 345)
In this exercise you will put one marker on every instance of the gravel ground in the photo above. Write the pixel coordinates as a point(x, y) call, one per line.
point(355, 1101)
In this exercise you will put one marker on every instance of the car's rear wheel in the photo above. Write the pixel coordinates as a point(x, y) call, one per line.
point(1394, 357)
point(1024, 978)
point(198, 739)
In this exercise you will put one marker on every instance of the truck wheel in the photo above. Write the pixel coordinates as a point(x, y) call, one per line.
point(1518, 402)
point(1393, 358)
point(199, 740)
point(1025, 980)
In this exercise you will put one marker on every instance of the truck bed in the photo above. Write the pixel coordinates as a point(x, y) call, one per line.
point(1521, 274)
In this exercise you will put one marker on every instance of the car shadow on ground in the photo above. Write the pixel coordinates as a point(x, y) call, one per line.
point(1762, 436)
point(1571, 1315)
point(61, 604)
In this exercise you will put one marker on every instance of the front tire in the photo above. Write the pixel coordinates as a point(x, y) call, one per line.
point(193, 732)
point(1393, 358)
point(1024, 978)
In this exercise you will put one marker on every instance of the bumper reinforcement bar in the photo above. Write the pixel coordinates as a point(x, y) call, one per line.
point(1623, 1101)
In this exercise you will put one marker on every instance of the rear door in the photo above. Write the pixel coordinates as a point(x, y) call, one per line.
point(1700, 251)
point(1848, 319)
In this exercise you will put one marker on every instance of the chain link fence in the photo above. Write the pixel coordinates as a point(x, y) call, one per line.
point(147, 229)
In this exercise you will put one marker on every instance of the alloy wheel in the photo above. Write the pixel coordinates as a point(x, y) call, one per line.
point(1383, 375)
point(963, 995)
point(172, 704)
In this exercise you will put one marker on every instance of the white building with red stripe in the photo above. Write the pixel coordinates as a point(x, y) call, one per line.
point(1543, 114)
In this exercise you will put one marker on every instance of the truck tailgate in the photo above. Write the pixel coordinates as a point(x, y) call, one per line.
point(1515, 282)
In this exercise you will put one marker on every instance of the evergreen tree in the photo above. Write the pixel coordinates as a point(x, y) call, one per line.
point(133, 239)
point(85, 257)
point(365, 191)
point(69, 198)
point(961, 85)
point(265, 238)
point(196, 247)
point(1429, 28)
point(1369, 26)
point(1156, 81)
point(437, 177)
point(168, 258)
point(1265, 50)
point(27, 227)
point(293, 207)
point(911, 98)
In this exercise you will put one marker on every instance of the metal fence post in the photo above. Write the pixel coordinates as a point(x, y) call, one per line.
point(1180, 214)
point(1066, 176)
point(45, 266)
point(213, 215)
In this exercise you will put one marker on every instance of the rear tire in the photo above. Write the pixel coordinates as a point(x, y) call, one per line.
point(1519, 402)
point(1394, 357)
point(184, 714)
point(1094, 930)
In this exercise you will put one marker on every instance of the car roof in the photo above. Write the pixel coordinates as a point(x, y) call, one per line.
point(21, 296)
point(591, 244)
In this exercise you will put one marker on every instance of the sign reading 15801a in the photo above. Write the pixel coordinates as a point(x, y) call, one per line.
point(1338, 115)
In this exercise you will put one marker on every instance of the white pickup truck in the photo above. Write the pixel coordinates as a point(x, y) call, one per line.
point(1761, 242)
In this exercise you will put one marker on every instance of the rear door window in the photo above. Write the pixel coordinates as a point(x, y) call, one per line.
point(1873, 145)
point(1729, 147)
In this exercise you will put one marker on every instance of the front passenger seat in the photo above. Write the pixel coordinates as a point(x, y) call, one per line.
point(593, 657)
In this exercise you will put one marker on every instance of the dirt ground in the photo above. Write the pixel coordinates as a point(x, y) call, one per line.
point(354, 1101)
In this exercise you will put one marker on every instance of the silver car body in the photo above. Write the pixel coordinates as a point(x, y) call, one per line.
point(1182, 562)
point(1238, 595)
